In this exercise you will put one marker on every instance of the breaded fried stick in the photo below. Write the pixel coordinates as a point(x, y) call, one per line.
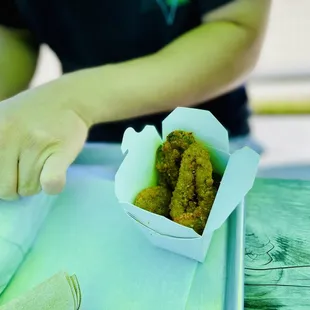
point(169, 155)
point(194, 193)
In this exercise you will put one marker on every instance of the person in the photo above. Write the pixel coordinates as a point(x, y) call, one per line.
point(125, 63)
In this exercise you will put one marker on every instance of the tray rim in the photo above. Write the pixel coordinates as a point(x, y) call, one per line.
point(234, 291)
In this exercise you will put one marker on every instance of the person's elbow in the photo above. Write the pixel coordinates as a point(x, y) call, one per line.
point(249, 55)
point(250, 20)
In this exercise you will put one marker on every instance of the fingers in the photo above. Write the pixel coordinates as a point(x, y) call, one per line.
point(29, 170)
point(42, 162)
point(8, 175)
point(8, 161)
point(46, 171)
point(54, 171)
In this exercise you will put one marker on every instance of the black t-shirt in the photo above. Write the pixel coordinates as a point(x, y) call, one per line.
point(95, 32)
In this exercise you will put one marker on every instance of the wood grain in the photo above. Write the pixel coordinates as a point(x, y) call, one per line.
point(277, 255)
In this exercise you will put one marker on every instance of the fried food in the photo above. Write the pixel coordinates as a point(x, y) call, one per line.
point(155, 199)
point(194, 193)
point(169, 157)
point(187, 185)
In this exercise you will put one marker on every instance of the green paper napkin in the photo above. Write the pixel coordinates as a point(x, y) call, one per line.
point(60, 292)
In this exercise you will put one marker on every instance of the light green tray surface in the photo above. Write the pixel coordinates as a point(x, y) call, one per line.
point(88, 233)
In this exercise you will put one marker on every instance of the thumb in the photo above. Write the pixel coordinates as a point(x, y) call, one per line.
point(53, 174)
point(54, 170)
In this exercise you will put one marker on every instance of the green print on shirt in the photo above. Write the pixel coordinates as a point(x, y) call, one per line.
point(169, 8)
point(178, 2)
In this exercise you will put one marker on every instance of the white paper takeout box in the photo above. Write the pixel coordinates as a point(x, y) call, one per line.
point(138, 172)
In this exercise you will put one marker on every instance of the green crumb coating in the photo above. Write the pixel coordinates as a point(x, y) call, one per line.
point(169, 156)
point(154, 199)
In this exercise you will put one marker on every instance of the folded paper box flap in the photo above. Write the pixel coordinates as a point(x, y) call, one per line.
point(237, 180)
point(138, 170)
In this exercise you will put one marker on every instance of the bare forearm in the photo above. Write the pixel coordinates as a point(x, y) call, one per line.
point(198, 66)
point(18, 59)
point(203, 63)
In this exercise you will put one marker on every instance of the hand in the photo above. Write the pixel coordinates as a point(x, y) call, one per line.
point(41, 134)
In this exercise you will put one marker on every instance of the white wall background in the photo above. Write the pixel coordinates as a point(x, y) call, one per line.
point(287, 46)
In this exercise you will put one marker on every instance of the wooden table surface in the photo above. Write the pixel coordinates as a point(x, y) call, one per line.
point(277, 255)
